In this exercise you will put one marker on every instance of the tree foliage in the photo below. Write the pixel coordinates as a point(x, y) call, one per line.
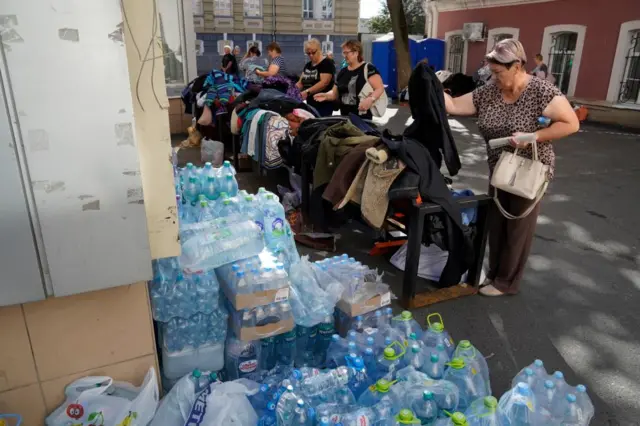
point(413, 12)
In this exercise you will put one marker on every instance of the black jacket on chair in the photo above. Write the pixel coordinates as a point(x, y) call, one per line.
point(430, 126)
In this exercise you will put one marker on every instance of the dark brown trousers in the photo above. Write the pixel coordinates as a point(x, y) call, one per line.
point(510, 241)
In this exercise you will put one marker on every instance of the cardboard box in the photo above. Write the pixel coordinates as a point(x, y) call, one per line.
point(355, 309)
point(253, 300)
point(256, 333)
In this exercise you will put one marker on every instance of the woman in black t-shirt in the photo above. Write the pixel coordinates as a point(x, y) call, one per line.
point(317, 76)
point(351, 80)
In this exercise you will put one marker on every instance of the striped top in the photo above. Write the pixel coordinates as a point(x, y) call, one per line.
point(279, 61)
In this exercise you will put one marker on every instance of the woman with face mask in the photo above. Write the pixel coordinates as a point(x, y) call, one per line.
point(507, 106)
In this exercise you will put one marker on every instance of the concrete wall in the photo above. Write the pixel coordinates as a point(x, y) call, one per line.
point(602, 19)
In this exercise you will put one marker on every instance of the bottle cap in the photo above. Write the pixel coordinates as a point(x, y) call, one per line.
point(352, 335)
point(415, 349)
point(204, 204)
point(413, 336)
point(189, 165)
point(370, 341)
point(226, 202)
point(300, 403)
point(581, 388)
point(390, 353)
point(427, 395)
point(271, 406)
point(406, 315)
point(358, 363)
point(207, 164)
point(459, 419)
point(358, 318)
point(211, 179)
point(571, 398)
point(435, 358)
point(368, 351)
point(490, 402)
point(192, 179)
point(558, 375)
point(440, 347)
point(538, 363)
point(335, 338)
point(528, 372)
point(523, 388)
point(226, 163)
point(213, 376)
point(383, 385)
point(548, 384)
point(405, 416)
point(224, 195)
point(463, 344)
point(229, 177)
point(457, 363)
point(196, 373)
point(269, 196)
point(437, 327)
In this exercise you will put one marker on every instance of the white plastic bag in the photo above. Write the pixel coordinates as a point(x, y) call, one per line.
point(224, 404)
point(212, 151)
point(101, 401)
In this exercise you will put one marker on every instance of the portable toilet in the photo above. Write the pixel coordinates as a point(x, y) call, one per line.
point(383, 56)
point(431, 49)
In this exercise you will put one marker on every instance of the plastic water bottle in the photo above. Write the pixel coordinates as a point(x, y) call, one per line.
point(286, 348)
point(483, 412)
point(274, 222)
point(360, 379)
point(228, 208)
point(370, 363)
point(549, 403)
point(572, 415)
point(336, 351)
point(390, 362)
point(516, 407)
point(433, 367)
point(416, 358)
point(358, 324)
point(210, 189)
point(301, 416)
point(426, 408)
point(260, 399)
point(539, 372)
point(469, 382)
point(285, 408)
point(584, 403)
point(331, 380)
point(406, 324)
point(376, 392)
point(192, 190)
point(205, 214)
point(379, 414)
point(241, 358)
point(269, 417)
point(268, 353)
point(475, 360)
point(526, 376)
point(251, 210)
point(544, 121)
point(436, 334)
point(558, 379)
point(305, 343)
point(324, 337)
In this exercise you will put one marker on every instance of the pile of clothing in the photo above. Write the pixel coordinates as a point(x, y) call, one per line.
point(352, 161)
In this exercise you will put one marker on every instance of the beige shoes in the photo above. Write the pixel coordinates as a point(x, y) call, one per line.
point(490, 290)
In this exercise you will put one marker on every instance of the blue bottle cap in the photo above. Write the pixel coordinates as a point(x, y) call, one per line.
point(378, 313)
point(271, 406)
point(571, 398)
point(358, 363)
point(358, 318)
point(528, 372)
point(352, 335)
point(352, 346)
point(523, 389)
point(548, 384)
point(538, 363)
point(581, 388)
point(370, 341)
point(387, 341)
point(297, 374)
point(335, 337)
point(558, 375)
point(300, 403)
point(368, 351)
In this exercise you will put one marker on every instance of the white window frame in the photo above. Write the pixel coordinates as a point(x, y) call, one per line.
point(222, 15)
point(581, 31)
point(197, 7)
point(617, 70)
point(187, 45)
point(447, 45)
point(316, 13)
point(327, 46)
point(493, 32)
point(244, 9)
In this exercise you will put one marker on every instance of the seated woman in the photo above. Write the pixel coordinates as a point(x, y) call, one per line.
point(350, 82)
point(317, 76)
point(277, 65)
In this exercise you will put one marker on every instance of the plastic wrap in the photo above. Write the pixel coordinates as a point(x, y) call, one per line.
point(212, 151)
point(215, 245)
point(224, 404)
point(314, 293)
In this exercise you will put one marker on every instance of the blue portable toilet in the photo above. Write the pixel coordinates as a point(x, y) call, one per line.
point(431, 49)
point(383, 56)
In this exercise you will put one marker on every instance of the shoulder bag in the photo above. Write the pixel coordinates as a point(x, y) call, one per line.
point(524, 177)
point(379, 107)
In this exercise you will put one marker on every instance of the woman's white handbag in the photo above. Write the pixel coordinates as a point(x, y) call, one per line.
point(524, 177)
point(379, 107)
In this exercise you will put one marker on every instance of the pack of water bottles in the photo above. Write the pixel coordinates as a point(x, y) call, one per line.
point(256, 281)
point(360, 282)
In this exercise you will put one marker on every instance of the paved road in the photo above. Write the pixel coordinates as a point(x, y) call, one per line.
point(578, 309)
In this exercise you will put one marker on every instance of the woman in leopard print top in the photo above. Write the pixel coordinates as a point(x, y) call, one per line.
point(508, 105)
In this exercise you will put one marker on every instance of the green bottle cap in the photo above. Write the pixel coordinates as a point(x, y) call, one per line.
point(459, 419)
point(406, 315)
point(457, 363)
point(464, 344)
point(490, 402)
point(226, 202)
point(406, 417)
point(383, 386)
point(389, 353)
point(437, 327)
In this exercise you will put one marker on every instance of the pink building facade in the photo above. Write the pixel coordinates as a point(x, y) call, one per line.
point(592, 47)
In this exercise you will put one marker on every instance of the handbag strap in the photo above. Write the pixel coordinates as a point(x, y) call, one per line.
point(528, 211)
point(534, 151)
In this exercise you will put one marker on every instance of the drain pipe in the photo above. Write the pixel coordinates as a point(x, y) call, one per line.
point(273, 19)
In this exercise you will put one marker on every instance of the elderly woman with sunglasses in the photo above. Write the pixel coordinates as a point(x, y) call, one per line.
point(508, 105)
point(351, 80)
point(317, 76)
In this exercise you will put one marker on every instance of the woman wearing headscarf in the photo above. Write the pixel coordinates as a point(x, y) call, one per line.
point(507, 106)
point(317, 76)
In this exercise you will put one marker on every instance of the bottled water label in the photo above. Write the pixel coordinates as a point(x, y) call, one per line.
point(249, 366)
point(276, 226)
point(282, 295)
point(448, 342)
point(363, 420)
point(335, 418)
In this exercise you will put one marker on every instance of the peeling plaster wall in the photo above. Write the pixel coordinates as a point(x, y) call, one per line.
point(68, 77)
